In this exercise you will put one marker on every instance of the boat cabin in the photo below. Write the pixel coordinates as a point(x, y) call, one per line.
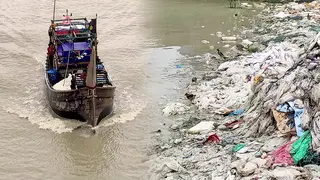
point(72, 41)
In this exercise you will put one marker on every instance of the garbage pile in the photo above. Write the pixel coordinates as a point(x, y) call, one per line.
point(263, 112)
point(269, 100)
point(278, 87)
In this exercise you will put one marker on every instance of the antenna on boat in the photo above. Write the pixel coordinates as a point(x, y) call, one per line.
point(96, 34)
point(66, 13)
point(54, 10)
point(96, 22)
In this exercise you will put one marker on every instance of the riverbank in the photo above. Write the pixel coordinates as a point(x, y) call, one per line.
point(235, 122)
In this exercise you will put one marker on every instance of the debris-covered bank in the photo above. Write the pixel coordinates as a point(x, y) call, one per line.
point(258, 115)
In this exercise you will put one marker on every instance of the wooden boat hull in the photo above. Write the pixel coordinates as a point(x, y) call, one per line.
point(77, 104)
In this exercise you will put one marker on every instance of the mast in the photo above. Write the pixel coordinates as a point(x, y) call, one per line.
point(95, 78)
point(96, 38)
point(72, 45)
point(93, 91)
point(54, 10)
point(91, 80)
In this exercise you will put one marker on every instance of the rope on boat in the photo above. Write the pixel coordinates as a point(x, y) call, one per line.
point(66, 72)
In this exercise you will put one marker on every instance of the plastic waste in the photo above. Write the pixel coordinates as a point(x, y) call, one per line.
point(247, 168)
point(260, 6)
point(246, 42)
point(310, 158)
point(257, 79)
point(236, 112)
point(175, 108)
point(225, 38)
point(234, 124)
point(281, 15)
point(229, 42)
point(301, 147)
point(286, 173)
point(274, 143)
point(282, 119)
point(315, 29)
point(219, 34)
point(290, 107)
point(297, 17)
point(287, 76)
point(202, 127)
point(212, 138)
point(282, 156)
point(314, 169)
point(238, 147)
point(246, 5)
point(205, 42)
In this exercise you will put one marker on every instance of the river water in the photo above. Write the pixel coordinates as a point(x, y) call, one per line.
point(36, 144)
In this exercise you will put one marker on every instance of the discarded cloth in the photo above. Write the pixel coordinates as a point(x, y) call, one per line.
point(286, 173)
point(282, 119)
point(289, 107)
point(315, 132)
point(257, 79)
point(301, 146)
point(310, 158)
point(234, 124)
point(202, 127)
point(64, 84)
point(175, 108)
point(282, 156)
point(224, 111)
point(212, 138)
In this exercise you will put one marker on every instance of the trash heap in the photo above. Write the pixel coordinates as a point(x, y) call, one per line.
point(274, 92)
point(278, 87)
point(259, 114)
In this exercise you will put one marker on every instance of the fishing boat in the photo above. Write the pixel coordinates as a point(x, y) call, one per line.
point(77, 83)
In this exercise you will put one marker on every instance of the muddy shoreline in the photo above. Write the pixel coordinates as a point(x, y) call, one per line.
point(218, 113)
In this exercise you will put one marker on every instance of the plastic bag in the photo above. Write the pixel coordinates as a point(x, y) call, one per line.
point(301, 147)
point(238, 147)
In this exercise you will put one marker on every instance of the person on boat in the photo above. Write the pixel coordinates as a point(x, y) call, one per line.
point(50, 54)
point(53, 25)
point(73, 81)
point(98, 60)
point(69, 36)
point(51, 29)
point(50, 34)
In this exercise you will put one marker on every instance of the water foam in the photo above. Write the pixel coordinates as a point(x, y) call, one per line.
point(128, 116)
point(32, 105)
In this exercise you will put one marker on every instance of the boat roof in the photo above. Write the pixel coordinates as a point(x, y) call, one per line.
point(74, 24)
point(77, 26)
point(59, 22)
